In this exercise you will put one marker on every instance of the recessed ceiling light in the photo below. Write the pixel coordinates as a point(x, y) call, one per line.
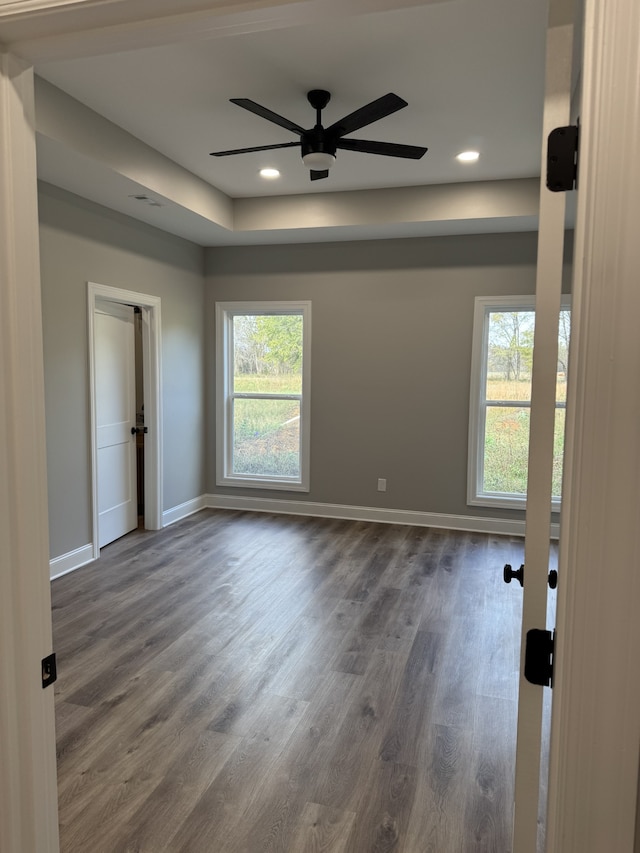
point(269, 173)
point(468, 156)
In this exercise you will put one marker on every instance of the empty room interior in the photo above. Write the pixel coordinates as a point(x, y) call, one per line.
point(287, 418)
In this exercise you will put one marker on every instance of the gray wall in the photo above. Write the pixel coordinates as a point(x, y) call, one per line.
point(391, 352)
point(79, 242)
point(392, 324)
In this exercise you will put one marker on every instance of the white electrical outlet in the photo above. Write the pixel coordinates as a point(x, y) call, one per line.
point(382, 484)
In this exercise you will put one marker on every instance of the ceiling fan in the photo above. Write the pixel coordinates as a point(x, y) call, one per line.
point(319, 144)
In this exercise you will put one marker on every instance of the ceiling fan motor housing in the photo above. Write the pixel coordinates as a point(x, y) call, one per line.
point(318, 140)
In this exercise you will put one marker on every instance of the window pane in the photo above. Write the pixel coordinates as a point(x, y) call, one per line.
point(510, 355)
point(267, 353)
point(558, 452)
point(266, 437)
point(499, 426)
point(499, 388)
point(506, 450)
point(506, 453)
point(564, 335)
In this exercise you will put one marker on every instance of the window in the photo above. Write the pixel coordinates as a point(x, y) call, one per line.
point(501, 400)
point(263, 374)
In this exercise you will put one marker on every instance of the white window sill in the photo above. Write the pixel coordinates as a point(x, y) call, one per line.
point(504, 501)
point(263, 483)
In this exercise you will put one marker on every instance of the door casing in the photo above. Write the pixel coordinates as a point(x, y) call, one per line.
point(150, 307)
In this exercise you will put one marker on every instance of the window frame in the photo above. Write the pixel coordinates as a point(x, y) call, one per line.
point(225, 313)
point(484, 306)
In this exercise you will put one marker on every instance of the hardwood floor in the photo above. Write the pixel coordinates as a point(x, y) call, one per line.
point(241, 683)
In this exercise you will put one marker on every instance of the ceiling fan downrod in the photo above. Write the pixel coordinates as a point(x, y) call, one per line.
point(318, 98)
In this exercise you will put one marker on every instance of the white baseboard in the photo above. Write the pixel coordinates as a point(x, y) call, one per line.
point(70, 562)
point(81, 556)
point(176, 513)
point(476, 524)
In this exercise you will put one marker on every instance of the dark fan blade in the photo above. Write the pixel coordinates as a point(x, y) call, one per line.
point(317, 174)
point(263, 112)
point(256, 148)
point(391, 149)
point(374, 111)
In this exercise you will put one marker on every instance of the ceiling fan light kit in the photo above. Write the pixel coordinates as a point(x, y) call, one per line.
point(318, 145)
point(318, 160)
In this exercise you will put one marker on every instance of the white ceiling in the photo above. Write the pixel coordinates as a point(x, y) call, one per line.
point(472, 72)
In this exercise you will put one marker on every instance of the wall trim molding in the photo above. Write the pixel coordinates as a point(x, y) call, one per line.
point(79, 557)
point(475, 524)
point(177, 513)
point(19, 8)
point(71, 561)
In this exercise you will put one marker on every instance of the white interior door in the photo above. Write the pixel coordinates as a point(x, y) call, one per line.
point(551, 236)
point(114, 342)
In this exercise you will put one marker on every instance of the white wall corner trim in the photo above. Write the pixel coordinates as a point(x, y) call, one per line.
point(71, 561)
point(177, 513)
point(474, 524)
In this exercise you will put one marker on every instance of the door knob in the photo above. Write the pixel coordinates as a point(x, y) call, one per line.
point(509, 574)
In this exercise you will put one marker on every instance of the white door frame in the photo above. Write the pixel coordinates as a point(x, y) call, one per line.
point(152, 371)
point(28, 787)
point(595, 730)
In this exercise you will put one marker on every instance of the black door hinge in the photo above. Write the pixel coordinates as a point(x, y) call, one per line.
point(562, 159)
point(538, 657)
point(49, 670)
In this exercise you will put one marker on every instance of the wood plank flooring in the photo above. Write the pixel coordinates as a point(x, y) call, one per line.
point(244, 683)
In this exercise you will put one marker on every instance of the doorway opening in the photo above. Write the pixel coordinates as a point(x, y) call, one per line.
point(147, 402)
